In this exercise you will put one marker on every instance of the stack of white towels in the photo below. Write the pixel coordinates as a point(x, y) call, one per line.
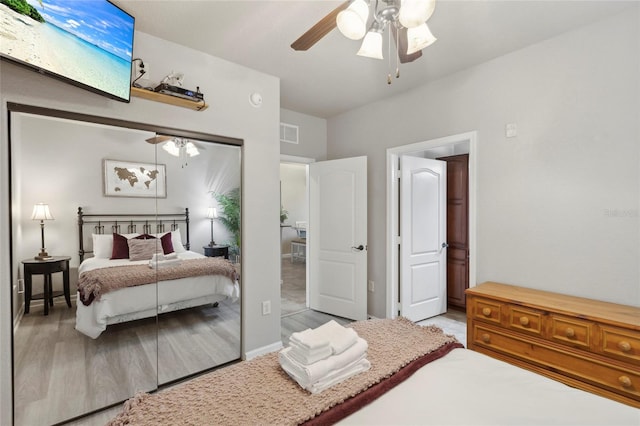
point(160, 260)
point(325, 356)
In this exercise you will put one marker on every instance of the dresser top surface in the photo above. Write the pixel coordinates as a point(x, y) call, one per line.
point(606, 312)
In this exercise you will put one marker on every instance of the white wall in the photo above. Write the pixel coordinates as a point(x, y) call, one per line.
point(227, 87)
point(293, 188)
point(312, 135)
point(557, 205)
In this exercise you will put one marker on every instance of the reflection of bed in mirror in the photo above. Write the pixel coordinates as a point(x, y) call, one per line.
point(159, 275)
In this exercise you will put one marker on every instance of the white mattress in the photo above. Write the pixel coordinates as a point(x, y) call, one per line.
point(469, 388)
point(146, 300)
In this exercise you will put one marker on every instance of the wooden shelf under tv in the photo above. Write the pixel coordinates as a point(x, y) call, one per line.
point(168, 99)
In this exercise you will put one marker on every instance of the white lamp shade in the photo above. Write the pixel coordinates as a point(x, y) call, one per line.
point(212, 213)
point(415, 12)
point(41, 212)
point(418, 38)
point(371, 45)
point(352, 22)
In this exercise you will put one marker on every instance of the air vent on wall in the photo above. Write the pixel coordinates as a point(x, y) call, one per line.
point(288, 133)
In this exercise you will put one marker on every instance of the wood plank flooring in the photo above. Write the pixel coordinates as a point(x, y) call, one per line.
point(61, 374)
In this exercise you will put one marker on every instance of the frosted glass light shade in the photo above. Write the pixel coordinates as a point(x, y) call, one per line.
point(171, 148)
point(192, 151)
point(415, 12)
point(418, 38)
point(352, 22)
point(371, 45)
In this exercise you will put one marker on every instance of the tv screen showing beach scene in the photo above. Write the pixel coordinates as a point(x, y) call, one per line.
point(88, 43)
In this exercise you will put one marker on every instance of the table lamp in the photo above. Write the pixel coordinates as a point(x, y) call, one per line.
point(212, 214)
point(41, 212)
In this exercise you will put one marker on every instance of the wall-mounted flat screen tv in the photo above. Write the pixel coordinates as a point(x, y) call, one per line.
point(87, 43)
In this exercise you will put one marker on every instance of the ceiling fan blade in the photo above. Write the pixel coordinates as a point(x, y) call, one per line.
point(402, 44)
point(319, 30)
point(158, 139)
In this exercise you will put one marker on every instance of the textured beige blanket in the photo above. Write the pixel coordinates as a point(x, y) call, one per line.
point(259, 392)
point(93, 284)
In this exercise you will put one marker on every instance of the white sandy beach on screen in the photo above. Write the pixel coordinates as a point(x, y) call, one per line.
point(38, 44)
point(21, 37)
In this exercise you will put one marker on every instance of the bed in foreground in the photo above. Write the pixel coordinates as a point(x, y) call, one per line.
point(451, 385)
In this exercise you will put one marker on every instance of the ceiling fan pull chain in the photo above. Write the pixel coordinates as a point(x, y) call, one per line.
point(389, 56)
point(397, 50)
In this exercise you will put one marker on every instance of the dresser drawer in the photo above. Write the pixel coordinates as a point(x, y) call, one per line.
point(527, 320)
point(621, 344)
point(571, 331)
point(486, 310)
point(582, 367)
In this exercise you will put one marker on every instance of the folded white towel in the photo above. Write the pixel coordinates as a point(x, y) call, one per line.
point(157, 257)
point(164, 263)
point(340, 375)
point(308, 340)
point(334, 377)
point(170, 256)
point(340, 338)
point(304, 356)
point(309, 374)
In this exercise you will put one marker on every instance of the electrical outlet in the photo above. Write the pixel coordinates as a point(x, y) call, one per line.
point(140, 68)
point(371, 286)
point(266, 307)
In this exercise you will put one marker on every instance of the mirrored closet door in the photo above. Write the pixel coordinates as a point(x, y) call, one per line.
point(120, 243)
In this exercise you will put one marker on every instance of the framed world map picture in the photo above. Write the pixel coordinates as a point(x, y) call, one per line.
point(131, 179)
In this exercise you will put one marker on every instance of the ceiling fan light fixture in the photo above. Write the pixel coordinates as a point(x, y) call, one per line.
point(372, 45)
point(171, 148)
point(191, 149)
point(418, 38)
point(352, 22)
point(414, 13)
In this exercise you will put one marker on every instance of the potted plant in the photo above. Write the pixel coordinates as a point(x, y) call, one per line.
point(230, 217)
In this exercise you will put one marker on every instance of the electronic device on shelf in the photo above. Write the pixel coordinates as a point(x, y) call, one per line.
point(167, 89)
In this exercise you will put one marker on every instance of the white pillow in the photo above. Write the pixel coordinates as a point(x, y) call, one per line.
point(176, 241)
point(103, 244)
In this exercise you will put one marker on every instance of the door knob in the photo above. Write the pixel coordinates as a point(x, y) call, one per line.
point(359, 248)
point(445, 245)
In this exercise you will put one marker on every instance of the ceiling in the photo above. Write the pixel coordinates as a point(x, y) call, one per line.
point(330, 78)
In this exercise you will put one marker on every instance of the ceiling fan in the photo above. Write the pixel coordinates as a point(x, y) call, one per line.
point(176, 146)
point(406, 20)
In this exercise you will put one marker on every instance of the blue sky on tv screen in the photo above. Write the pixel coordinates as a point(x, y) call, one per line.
point(95, 21)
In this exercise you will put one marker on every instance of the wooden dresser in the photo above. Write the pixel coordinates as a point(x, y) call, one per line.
point(590, 345)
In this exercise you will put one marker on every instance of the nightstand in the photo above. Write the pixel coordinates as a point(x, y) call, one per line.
point(216, 251)
point(46, 267)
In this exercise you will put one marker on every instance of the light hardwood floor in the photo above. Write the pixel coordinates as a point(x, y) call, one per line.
point(60, 373)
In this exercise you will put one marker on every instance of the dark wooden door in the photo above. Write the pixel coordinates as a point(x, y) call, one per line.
point(457, 229)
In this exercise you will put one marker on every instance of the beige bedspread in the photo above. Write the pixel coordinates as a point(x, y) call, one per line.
point(93, 284)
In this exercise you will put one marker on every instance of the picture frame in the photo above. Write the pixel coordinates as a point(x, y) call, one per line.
point(134, 179)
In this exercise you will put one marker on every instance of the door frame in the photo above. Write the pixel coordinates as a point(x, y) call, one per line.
point(284, 158)
point(463, 143)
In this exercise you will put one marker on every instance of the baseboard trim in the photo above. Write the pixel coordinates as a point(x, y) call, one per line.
point(263, 350)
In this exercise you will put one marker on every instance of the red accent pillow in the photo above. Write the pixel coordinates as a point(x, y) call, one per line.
point(167, 245)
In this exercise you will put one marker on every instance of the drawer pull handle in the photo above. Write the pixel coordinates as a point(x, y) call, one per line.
point(524, 321)
point(624, 381)
point(624, 346)
point(486, 338)
point(486, 312)
point(569, 332)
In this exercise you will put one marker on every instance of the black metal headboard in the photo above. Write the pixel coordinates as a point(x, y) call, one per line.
point(130, 223)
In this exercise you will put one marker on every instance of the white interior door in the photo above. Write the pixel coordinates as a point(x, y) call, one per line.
point(337, 237)
point(423, 226)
